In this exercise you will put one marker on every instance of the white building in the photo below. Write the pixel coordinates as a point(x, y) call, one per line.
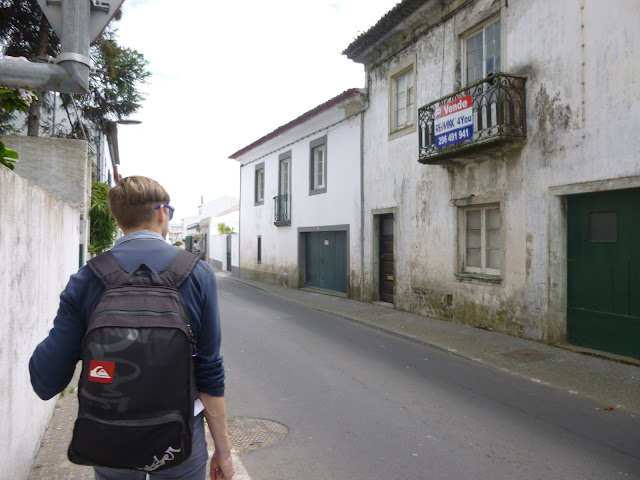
point(300, 200)
point(523, 219)
point(223, 246)
point(212, 208)
point(175, 233)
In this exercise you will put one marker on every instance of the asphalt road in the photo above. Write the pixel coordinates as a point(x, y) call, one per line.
point(361, 404)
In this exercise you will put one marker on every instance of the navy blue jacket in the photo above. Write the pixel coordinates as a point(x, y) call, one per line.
point(54, 359)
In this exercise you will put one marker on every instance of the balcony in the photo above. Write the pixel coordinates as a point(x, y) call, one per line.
point(497, 113)
point(282, 209)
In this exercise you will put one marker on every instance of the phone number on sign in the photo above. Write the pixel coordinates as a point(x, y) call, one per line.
point(454, 137)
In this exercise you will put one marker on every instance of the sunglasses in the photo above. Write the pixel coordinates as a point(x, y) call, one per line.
point(168, 207)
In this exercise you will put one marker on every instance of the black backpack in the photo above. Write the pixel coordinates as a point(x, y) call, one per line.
point(137, 388)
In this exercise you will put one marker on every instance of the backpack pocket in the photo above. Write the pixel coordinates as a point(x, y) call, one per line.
point(147, 444)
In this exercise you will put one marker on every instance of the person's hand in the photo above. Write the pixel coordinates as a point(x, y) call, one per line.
point(221, 466)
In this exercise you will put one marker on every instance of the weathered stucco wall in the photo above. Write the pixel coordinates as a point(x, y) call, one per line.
point(39, 241)
point(217, 250)
point(583, 109)
point(60, 166)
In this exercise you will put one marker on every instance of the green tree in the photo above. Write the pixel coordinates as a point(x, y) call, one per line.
point(224, 228)
point(114, 92)
point(102, 225)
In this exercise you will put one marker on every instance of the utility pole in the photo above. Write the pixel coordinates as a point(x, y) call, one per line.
point(78, 23)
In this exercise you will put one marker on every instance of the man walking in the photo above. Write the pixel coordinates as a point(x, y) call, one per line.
point(141, 208)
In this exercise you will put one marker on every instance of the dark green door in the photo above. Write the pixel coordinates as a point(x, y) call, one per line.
point(603, 254)
point(326, 258)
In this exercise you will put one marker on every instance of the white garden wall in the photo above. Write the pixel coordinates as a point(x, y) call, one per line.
point(42, 237)
point(39, 242)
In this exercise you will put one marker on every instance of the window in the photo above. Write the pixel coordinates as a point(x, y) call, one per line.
point(603, 227)
point(481, 239)
point(285, 174)
point(259, 249)
point(318, 166)
point(482, 52)
point(259, 184)
point(283, 200)
point(402, 99)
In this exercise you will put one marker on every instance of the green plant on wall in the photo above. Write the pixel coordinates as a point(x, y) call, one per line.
point(11, 101)
point(103, 226)
point(224, 228)
point(7, 157)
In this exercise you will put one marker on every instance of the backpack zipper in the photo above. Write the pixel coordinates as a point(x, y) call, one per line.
point(152, 314)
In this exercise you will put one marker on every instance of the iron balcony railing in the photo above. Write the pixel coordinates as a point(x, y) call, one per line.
point(282, 209)
point(497, 116)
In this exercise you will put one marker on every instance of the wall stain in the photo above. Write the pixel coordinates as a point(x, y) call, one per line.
point(552, 117)
point(529, 259)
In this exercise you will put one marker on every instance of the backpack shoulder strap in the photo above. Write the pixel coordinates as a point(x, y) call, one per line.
point(107, 269)
point(179, 269)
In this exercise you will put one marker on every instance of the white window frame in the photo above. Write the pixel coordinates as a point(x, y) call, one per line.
point(284, 181)
point(482, 29)
point(405, 70)
point(319, 159)
point(259, 185)
point(483, 269)
point(315, 169)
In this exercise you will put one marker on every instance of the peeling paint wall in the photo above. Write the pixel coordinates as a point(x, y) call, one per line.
point(583, 114)
point(39, 242)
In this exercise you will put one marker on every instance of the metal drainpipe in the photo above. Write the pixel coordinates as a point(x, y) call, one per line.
point(362, 206)
point(71, 74)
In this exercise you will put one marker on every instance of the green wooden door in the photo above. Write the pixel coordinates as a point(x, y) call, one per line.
point(326, 258)
point(603, 254)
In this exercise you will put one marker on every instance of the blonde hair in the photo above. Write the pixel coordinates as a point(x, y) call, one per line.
point(133, 199)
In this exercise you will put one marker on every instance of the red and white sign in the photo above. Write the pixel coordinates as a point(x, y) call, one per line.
point(454, 121)
point(101, 371)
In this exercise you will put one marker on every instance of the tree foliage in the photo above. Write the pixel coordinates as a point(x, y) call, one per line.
point(224, 228)
point(25, 31)
point(7, 156)
point(103, 228)
point(114, 92)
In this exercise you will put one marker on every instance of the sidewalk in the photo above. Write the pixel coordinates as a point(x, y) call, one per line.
point(602, 378)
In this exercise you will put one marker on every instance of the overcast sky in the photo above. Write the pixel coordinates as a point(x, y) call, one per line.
point(226, 73)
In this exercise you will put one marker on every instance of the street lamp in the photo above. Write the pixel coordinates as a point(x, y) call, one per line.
point(113, 142)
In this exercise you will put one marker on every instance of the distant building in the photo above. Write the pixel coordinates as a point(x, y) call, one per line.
point(175, 233)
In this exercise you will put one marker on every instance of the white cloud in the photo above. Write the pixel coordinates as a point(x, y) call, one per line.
point(227, 73)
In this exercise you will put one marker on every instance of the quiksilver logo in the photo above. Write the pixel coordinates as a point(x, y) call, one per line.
point(159, 462)
point(101, 371)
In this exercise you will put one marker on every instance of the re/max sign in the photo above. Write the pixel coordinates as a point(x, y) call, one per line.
point(453, 122)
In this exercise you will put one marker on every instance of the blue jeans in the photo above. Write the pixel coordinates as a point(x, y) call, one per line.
point(195, 468)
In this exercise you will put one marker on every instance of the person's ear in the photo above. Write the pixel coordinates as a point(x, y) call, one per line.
point(161, 214)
